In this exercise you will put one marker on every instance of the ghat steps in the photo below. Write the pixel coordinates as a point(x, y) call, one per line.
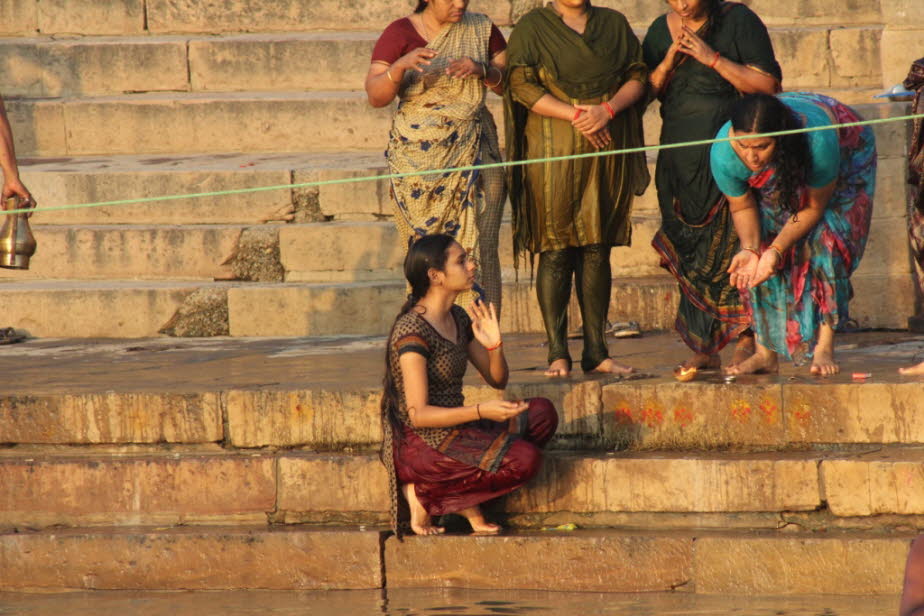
point(214, 464)
point(249, 462)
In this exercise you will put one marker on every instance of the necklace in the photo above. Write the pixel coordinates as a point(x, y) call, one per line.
point(427, 35)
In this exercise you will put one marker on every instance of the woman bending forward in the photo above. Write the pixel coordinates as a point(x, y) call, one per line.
point(801, 205)
point(446, 456)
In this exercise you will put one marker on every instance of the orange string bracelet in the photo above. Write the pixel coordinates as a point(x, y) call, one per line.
point(609, 109)
point(715, 60)
point(495, 347)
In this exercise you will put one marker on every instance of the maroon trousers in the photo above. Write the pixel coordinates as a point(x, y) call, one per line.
point(444, 485)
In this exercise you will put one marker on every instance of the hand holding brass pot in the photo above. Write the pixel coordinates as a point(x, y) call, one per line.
point(17, 244)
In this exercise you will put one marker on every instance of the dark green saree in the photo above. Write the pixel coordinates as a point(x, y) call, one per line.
point(697, 240)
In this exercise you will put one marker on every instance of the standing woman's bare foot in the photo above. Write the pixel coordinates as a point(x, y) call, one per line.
point(823, 363)
point(763, 361)
point(479, 524)
point(420, 519)
point(559, 368)
point(702, 361)
point(915, 370)
point(744, 348)
point(610, 366)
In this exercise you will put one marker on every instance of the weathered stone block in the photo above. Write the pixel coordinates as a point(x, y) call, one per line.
point(18, 17)
point(75, 67)
point(190, 559)
point(891, 137)
point(891, 198)
point(334, 482)
point(111, 418)
point(670, 415)
point(808, 12)
point(127, 488)
point(38, 127)
point(284, 15)
point(95, 310)
point(901, 13)
point(868, 307)
point(900, 46)
point(848, 413)
point(98, 17)
point(670, 482)
point(799, 565)
point(887, 249)
point(884, 482)
point(320, 252)
point(803, 55)
point(315, 418)
point(281, 122)
point(72, 186)
point(855, 56)
point(583, 561)
point(280, 62)
point(131, 252)
point(313, 310)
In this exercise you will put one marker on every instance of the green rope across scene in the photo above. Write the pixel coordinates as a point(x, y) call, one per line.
point(511, 163)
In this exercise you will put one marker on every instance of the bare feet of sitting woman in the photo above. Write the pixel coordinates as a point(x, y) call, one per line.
point(611, 366)
point(479, 524)
point(560, 368)
point(763, 361)
point(421, 523)
point(916, 370)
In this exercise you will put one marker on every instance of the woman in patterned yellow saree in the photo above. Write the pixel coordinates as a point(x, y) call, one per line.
point(439, 62)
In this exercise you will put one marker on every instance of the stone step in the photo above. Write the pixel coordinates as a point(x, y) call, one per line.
point(812, 58)
point(265, 122)
point(118, 17)
point(69, 181)
point(655, 413)
point(221, 558)
point(77, 486)
point(848, 487)
point(203, 558)
point(613, 561)
point(137, 308)
point(129, 252)
point(355, 251)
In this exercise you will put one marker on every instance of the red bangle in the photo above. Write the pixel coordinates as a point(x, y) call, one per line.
point(609, 109)
point(577, 113)
point(495, 347)
point(715, 60)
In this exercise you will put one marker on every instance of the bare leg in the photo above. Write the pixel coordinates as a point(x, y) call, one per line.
point(915, 370)
point(479, 524)
point(559, 368)
point(420, 519)
point(762, 361)
point(611, 366)
point(744, 348)
point(823, 363)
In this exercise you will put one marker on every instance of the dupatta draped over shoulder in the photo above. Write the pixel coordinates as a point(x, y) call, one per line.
point(441, 122)
point(584, 201)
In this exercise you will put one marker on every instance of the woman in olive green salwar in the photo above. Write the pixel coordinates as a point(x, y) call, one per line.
point(576, 81)
point(703, 55)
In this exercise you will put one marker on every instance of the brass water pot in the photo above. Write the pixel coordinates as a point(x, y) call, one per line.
point(17, 244)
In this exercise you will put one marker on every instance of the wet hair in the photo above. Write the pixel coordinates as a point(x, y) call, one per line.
point(421, 5)
point(762, 113)
point(429, 251)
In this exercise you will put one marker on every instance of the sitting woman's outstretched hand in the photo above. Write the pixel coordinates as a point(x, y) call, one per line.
point(485, 325)
point(501, 410)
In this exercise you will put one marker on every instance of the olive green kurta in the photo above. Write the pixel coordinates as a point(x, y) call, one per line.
point(580, 202)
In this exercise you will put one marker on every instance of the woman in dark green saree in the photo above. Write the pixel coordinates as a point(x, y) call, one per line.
point(703, 55)
point(576, 85)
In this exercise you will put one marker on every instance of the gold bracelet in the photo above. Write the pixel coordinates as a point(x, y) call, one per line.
point(478, 410)
point(388, 74)
point(777, 250)
point(751, 249)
